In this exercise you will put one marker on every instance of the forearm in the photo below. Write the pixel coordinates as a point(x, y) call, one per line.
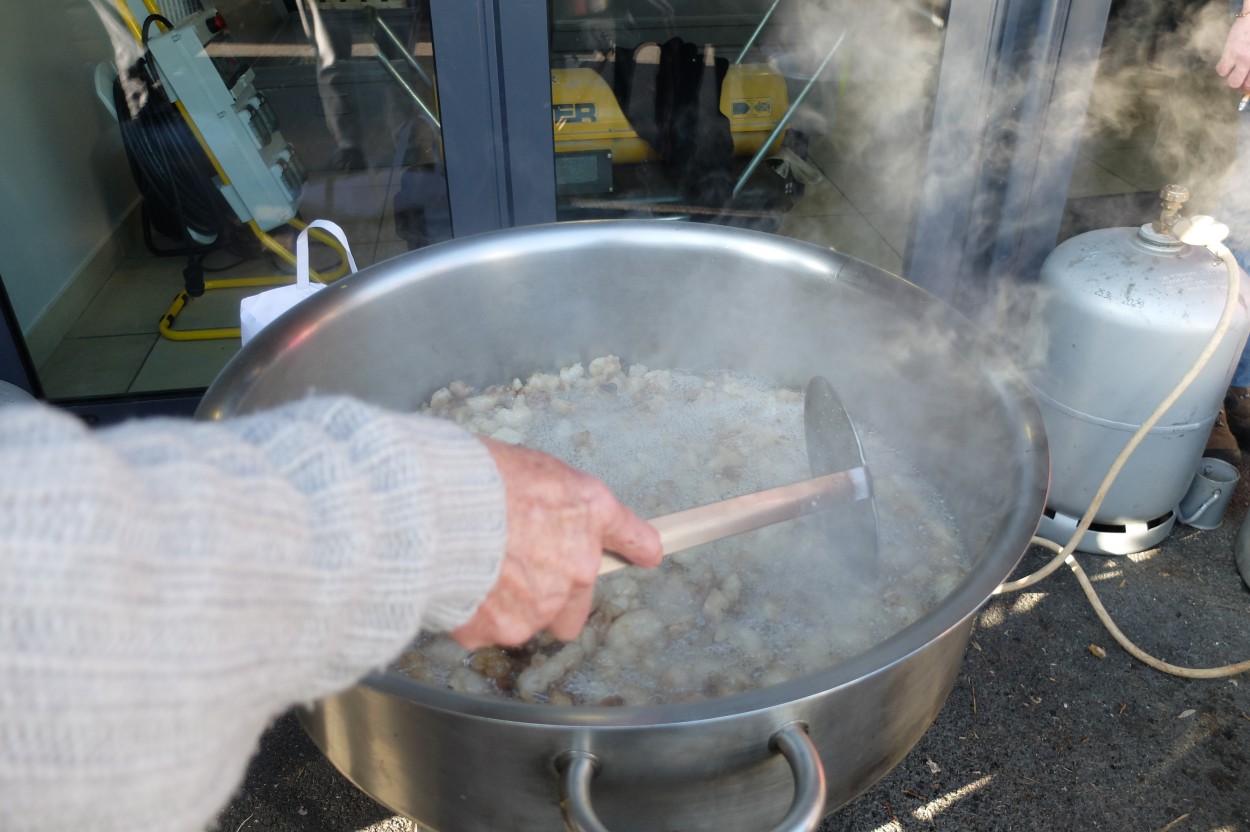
point(167, 588)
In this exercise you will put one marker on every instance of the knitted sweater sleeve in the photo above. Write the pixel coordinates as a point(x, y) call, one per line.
point(168, 587)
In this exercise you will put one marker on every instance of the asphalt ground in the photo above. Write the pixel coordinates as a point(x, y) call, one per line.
point(1050, 725)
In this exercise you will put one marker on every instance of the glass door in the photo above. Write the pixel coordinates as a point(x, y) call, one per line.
point(799, 117)
point(159, 168)
point(932, 138)
point(1159, 115)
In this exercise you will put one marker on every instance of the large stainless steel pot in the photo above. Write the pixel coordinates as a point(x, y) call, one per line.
point(488, 308)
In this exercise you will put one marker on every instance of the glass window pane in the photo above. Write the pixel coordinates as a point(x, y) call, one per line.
point(1159, 114)
point(148, 191)
point(805, 118)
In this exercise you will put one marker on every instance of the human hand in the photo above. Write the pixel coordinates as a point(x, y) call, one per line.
point(559, 522)
point(1234, 63)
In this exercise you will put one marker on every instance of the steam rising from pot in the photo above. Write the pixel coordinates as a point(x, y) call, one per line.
point(1158, 114)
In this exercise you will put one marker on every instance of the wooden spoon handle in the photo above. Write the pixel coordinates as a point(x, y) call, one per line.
point(695, 526)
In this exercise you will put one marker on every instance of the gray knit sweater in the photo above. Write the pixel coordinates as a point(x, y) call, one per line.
point(168, 587)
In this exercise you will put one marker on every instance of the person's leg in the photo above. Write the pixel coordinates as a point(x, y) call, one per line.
point(1234, 210)
point(332, 37)
point(1237, 400)
point(1234, 419)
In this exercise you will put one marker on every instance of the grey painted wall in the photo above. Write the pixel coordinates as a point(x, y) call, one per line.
point(64, 181)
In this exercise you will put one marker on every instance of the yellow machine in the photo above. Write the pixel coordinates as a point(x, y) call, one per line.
point(588, 118)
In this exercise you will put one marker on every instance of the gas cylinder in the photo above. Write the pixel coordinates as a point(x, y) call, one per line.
point(1120, 316)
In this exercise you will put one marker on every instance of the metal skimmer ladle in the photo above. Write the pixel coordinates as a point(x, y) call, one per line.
point(841, 488)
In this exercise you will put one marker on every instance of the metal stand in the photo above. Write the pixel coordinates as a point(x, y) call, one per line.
point(1100, 540)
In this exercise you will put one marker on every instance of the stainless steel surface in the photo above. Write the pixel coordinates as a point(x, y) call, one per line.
point(833, 445)
point(1209, 494)
point(502, 305)
point(578, 768)
point(1119, 317)
point(692, 527)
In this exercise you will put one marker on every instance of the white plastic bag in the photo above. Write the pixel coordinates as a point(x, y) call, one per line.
point(257, 311)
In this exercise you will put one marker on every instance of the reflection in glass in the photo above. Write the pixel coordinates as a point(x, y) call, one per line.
point(805, 118)
point(218, 131)
point(1158, 114)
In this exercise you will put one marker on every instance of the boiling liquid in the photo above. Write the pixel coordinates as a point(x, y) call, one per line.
point(752, 610)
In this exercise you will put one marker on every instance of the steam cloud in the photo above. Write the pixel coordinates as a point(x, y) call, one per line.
point(1159, 68)
point(1158, 113)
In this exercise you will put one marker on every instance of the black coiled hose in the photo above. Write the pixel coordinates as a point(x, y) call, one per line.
point(169, 167)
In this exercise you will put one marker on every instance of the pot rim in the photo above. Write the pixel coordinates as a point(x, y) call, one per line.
point(1029, 483)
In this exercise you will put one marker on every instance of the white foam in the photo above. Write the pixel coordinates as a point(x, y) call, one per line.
point(665, 440)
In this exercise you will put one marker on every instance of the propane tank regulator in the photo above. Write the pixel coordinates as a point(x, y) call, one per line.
point(1121, 315)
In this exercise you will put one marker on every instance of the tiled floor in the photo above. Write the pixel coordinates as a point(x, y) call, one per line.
point(116, 346)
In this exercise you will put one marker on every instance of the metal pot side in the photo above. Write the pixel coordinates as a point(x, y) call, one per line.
point(453, 770)
point(489, 308)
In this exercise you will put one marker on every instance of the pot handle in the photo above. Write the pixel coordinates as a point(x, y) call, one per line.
point(577, 768)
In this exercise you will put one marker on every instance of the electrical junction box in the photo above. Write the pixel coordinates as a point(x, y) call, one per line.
point(266, 179)
point(585, 172)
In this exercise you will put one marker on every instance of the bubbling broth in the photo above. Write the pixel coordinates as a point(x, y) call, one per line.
point(741, 613)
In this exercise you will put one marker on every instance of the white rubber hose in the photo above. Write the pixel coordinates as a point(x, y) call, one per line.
point(1196, 231)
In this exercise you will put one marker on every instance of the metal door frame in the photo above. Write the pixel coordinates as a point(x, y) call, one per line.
point(1012, 94)
point(494, 92)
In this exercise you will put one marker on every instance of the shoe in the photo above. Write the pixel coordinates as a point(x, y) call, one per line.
point(1237, 408)
point(347, 158)
point(1221, 444)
